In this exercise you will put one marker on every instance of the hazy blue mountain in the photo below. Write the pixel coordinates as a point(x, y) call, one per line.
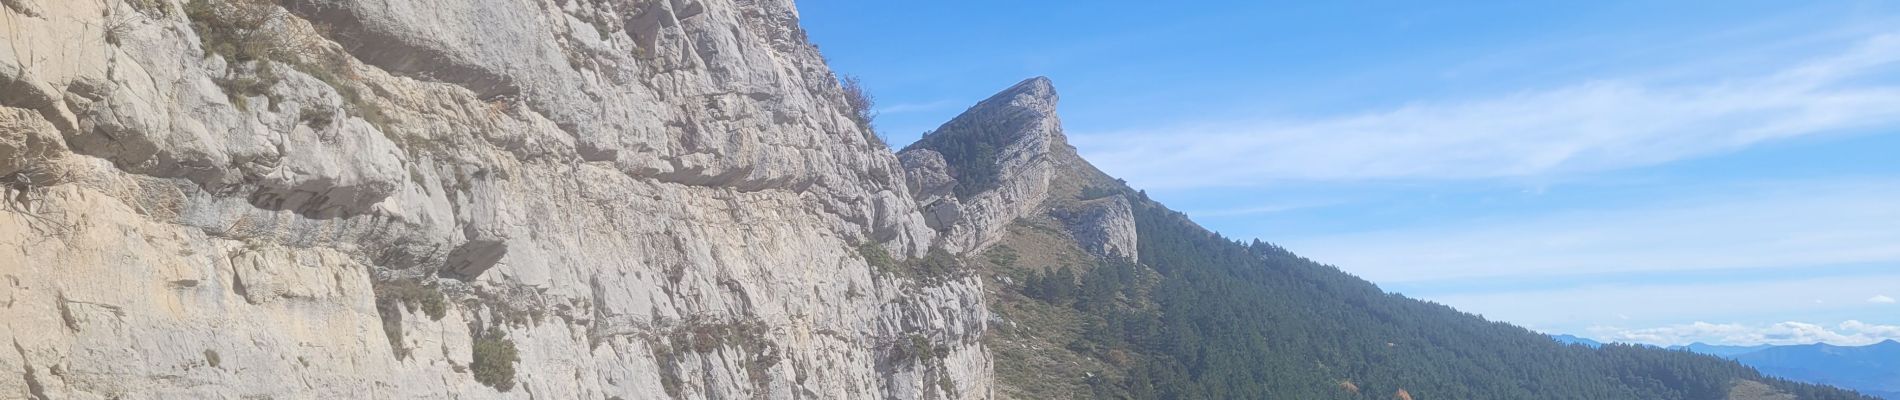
point(1872, 369)
point(1573, 339)
point(1721, 350)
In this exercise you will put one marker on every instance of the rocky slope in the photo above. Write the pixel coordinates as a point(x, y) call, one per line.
point(1006, 159)
point(1026, 203)
point(457, 199)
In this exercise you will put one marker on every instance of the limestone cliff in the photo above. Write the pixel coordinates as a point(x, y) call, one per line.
point(1007, 159)
point(457, 199)
point(1005, 187)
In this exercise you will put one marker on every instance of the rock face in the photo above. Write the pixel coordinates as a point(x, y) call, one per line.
point(1004, 159)
point(1104, 227)
point(999, 157)
point(1006, 189)
point(931, 183)
point(399, 199)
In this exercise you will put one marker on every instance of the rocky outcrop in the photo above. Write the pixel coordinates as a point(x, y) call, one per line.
point(1104, 227)
point(454, 199)
point(1000, 156)
point(1005, 159)
point(932, 185)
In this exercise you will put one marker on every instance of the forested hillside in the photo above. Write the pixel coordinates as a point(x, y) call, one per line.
point(1194, 315)
point(1222, 319)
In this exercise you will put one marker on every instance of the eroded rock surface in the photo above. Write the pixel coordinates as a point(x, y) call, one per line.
point(359, 198)
point(1104, 227)
point(999, 158)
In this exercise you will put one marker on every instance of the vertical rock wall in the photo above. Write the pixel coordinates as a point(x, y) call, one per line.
point(383, 198)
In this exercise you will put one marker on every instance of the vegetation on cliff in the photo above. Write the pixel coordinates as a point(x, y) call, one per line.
point(1201, 316)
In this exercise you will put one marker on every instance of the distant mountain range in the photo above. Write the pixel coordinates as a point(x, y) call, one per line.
point(1872, 369)
point(1571, 339)
point(1721, 350)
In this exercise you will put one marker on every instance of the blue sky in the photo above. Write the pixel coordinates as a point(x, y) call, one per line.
point(1724, 171)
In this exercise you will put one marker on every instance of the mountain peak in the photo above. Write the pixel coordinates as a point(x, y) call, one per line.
point(1576, 340)
point(998, 137)
point(1026, 110)
point(998, 161)
point(1039, 88)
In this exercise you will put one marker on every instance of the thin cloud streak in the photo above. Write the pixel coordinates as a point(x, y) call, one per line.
point(1585, 309)
point(1589, 126)
point(1849, 333)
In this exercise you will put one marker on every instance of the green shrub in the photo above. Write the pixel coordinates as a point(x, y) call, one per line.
point(240, 31)
point(921, 348)
point(240, 86)
point(397, 295)
point(861, 103)
point(938, 264)
point(875, 255)
point(235, 29)
point(316, 118)
point(414, 296)
point(1002, 256)
point(494, 360)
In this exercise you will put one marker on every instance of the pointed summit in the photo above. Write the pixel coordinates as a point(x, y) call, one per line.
point(990, 165)
point(1006, 159)
point(1037, 90)
point(1011, 129)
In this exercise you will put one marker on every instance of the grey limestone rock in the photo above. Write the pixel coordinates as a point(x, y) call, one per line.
point(645, 198)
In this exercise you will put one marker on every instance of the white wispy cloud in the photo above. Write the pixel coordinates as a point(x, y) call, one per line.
point(1667, 303)
point(1849, 333)
point(1880, 299)
point(1596, 125)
